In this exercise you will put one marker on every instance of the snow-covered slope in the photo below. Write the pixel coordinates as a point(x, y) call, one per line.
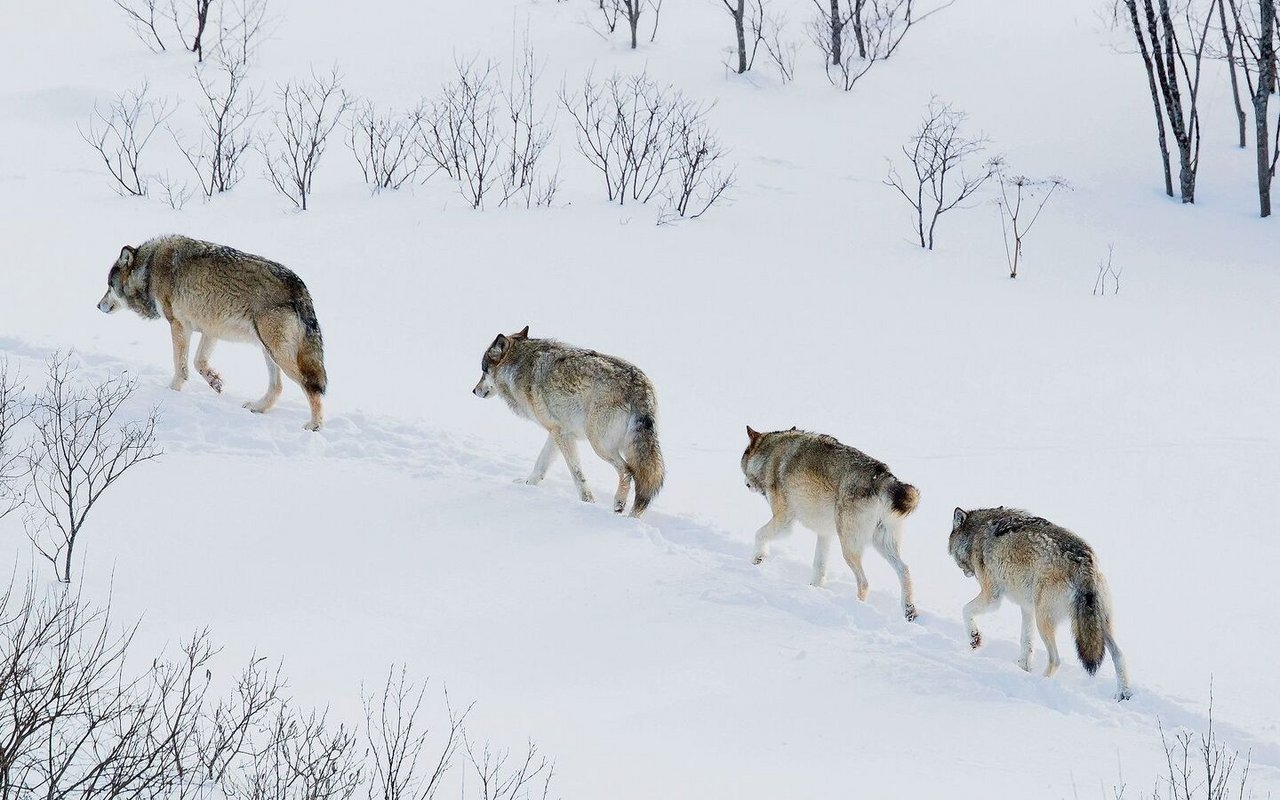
point(651, 658)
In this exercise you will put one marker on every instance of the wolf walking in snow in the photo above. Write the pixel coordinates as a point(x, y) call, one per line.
point(223, 293)
point(832, 489)
point(1049, 572)
point(576, 394)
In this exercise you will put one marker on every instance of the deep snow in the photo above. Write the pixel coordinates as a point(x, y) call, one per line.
point(651, 658)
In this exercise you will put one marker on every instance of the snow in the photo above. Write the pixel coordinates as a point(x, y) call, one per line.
point(651, 658)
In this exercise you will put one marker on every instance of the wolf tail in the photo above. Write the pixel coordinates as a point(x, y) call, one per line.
point(1089, 623)
point(644, 459)
point(311, 351)
point(903, 496)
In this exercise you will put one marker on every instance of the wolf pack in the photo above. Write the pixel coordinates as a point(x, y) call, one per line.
point(837, 491)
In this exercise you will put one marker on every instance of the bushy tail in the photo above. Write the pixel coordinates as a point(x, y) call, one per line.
point(1089, 624)
point(644, 459)
point(311, 352)
point(903, 496)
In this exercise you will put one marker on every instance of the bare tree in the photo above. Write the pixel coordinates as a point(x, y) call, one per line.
point(1172, 48)
point(531, 128)
point(14, 410)
point(781, 53)
point(1021, 200)
point(143, 17)
point(299, 758)
point(855, 37)
point(747, 16)
point(1266, 83)
point(121, 133)
point(940, 156)
point(173, 191)
point(502, 776)
point(387, 145)
point(397, 742)
point(191, 18)
point(635, 132)
point(309, 111)
point(1227, 30)
point(227, 111)
point(461, 133)
point(80, 450)
point(699, 175)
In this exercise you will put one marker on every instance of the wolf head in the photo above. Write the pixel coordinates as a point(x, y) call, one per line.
point(960, 544)
point(755, 446)
point(128, 284)
point(493, 358)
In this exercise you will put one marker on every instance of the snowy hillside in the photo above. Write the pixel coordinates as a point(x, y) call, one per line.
point(650, 658)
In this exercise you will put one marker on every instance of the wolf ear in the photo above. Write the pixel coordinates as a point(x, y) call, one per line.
point(794, 428)
point(522, 334)
point(753, 434)
point(126, 256)
point(499, 344)
point(958, 518)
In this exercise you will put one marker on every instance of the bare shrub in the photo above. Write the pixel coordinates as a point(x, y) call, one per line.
point(1021, 200)
point(485, 137)
point(309, 111)
point(641, 135)
point(940, 157)
point(227, 110)
point(1107, 269)
point(14, 410)
point(143, 16)
point(387, 145)
point(399, 768)
point(782, 53)
point(504, 776)
point(80, 450)
point(299, 757)
point(173, 191)
point(121, 133)
point(748, 17)
point(856, 36)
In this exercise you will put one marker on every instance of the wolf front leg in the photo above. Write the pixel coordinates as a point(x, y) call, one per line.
point(180, 341)
point(569, 449)
point(1028, 626)
point(543, 463)
point(203, 352)
point(778, 525)
point(985, 601)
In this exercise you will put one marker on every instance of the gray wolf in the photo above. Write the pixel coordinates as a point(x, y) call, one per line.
point(832, 489)
point(575, 394)
point(1049, 572)
point(222, 293)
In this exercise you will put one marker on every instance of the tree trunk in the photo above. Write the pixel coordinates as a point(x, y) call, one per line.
point(1155, 95)
point(858, 34)
point(1261, 97)
point(633, 19)
point(738, 14)
point(1231, 65)
point(837, 43)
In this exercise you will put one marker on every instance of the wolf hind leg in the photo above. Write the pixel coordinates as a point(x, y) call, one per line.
point(886, 542)
point(855, 524)
point(1123, 692)
point(778, 525)
point(1049, 635)
point(615, 460)
point(181, 340)
point(281, 333)
point(203, 352)
point(987, 599)
point(569, 449)
point(274, 386)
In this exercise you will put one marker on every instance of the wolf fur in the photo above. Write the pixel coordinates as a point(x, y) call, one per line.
point(576, 394)
point(1049, 572)
point(222, 293)
point(832, 489)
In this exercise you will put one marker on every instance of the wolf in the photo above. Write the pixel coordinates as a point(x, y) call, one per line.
point(1049, 572)
point(222, 293)
point(575, 394)
point(830, 488)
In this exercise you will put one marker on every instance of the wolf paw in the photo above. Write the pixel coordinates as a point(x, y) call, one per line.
point(312, 426)
point(177, 383)
point(256, 408)
point(759, 559)
point(910, 612)
point(587, 497)
point(213, 379)
point(975, 640)
point(618, 508)
point(1126, 694)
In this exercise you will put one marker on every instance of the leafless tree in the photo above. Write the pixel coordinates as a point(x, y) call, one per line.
point(1230, 53)
point(173, 191)
point(748, 17)
point(80, 449)
point(309, 111)
point(656, 5)
point(856, 36)
point(121, 133)
point(638, 134)
point(1021, 200)
point(699, 176)
point(1107, 269)
point(227, 110)
point(299, 758)
point(191, 19)
point(14, 410)
point(461, 132)
point(531, 126)
point(504, 776)
point(143, 17)
point(399, 767)
point(387, 145)
point(1266, 84)
point(1172, 46)
point(941, 158)
point(632, 10)
point(781, 52)
point(242, 25)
